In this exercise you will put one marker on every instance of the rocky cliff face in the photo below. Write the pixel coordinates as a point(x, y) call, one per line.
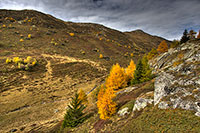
point(177, 84)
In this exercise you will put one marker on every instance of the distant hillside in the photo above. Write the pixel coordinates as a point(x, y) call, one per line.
point(145, 40)
point(88, 37)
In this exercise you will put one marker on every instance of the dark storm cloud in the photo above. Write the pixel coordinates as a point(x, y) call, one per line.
point(166, 18)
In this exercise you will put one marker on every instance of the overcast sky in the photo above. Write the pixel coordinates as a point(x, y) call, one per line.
point(166, 18)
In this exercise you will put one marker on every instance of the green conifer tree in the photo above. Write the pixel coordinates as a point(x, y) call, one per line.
point(146, 73)
point(185, 37)
point(142, 72)
point(138, 73)
point(74, 114)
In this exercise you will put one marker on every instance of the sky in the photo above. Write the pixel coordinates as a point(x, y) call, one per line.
point(165, 18)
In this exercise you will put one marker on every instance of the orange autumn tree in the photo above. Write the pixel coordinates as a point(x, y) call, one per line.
point(130, 70)
point(198, 36)
point(162, 47)
point(117, 78)
point(106, 105)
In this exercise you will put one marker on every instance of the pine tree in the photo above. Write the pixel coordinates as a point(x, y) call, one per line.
point(185, 37)
point(138, 73)
point(146, 73)
point(117, 78)
point(142, 72)
point(74, 114)
point(162, 47)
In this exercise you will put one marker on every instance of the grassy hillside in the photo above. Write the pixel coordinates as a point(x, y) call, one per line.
point(67, 57)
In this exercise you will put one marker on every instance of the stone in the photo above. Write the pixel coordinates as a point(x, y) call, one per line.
point(198, 82)
point(141, 103)
point(128, 89)
point(13, 130)
point(197, 114)
point(56, 111)
point(162, 88)
point(163, 105)
point(123, 111)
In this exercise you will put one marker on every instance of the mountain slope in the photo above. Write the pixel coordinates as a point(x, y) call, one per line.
point(67, 57)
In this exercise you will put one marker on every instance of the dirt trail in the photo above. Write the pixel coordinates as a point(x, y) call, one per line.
point(67, 59)
point(48, 74)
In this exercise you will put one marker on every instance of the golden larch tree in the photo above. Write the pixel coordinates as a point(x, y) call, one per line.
point(117, 78)
point(106, 105)
point(130, 70)
point(162, 47)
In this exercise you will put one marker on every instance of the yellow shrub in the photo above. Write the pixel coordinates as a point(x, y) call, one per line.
point(10, 18)
point(126, 54)
point(19, 65)
point(21, 40)
point(4, 26)
point(33, 63)
point(71, 34)
point(117, 78)
point(8, 60)
point(83, 52)
point(29, 36)
point(131, 54)
point(100, 56)
point(30, 60)
point(17, 60)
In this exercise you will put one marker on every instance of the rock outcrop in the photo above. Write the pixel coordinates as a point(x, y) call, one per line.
point(177, 84)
